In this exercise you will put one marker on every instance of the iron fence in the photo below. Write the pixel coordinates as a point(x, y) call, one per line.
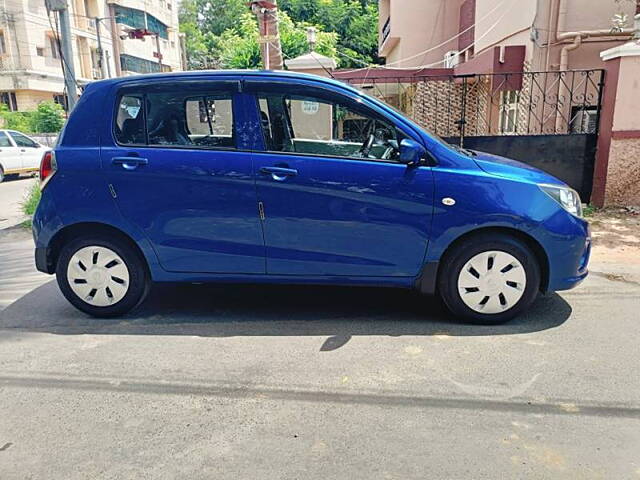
point(524, 103)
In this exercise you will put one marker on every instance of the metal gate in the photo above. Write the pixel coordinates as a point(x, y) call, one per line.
point(546, 119)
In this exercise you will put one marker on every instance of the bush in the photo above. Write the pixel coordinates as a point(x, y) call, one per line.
point(21, 121)
point(48, 118)
point(30, 203)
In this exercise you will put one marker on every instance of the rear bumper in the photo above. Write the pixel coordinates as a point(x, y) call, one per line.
point(42, 260)
point(45, 224)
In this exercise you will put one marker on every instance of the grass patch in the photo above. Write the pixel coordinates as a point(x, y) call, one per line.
point(30, 203)
point(589, 210)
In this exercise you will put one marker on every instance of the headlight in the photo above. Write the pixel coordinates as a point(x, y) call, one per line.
point(565, 196)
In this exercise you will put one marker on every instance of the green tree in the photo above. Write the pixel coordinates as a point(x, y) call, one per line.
point(239, 48)
point(225, 32)
point(354, 21)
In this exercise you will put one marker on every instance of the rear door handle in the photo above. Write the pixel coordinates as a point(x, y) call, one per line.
point(129, 163)
point(279, 173)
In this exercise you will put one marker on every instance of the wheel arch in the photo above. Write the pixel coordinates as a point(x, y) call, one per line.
point(429, 278)
point(75, 230)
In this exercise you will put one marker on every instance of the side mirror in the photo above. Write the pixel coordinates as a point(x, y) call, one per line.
point(411, 152)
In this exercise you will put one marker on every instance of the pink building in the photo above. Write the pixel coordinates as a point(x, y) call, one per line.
point(553, 34)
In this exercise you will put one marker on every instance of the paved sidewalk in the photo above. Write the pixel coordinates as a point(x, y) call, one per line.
point(12, 194)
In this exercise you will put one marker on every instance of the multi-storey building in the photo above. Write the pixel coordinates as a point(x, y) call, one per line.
point(446, 33)
point(30, 60)
point(147, 54)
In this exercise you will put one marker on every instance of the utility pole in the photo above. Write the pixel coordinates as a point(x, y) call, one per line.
point(103, 70)
point(67, 57)
point(267, 14)
point(106, 58)
point(183, 51)
point(61, 7)
point(115, 39)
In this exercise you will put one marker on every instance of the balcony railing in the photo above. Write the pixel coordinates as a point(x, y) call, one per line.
point(386, 30)
point(6, 63)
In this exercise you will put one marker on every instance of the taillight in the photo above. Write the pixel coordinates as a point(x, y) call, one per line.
point(48, 167)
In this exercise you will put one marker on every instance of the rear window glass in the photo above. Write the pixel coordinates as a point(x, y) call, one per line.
point(4, 140)
point(176, 119)
point(129, 121)
point(187, 120)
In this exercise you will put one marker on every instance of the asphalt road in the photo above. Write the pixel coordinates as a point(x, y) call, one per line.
point(315, 383)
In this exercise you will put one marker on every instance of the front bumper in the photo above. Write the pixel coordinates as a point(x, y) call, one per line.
point(569, 257)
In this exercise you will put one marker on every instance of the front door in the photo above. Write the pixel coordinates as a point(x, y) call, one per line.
point(178, 176)
point(335, 199)
point(30, 151)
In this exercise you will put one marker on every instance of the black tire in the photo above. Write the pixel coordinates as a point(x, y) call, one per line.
point(456, 259)
point(2, 177)
point(138, 285)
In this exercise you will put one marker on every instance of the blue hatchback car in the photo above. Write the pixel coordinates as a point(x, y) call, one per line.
point(271, 177)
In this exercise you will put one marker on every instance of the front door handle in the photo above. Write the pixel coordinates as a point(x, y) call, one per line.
point(279, 173)
point(129, 163)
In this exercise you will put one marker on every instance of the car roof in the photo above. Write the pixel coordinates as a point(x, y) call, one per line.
point(203, 74)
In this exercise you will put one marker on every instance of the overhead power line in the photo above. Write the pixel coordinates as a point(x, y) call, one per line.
point(455, 37)
point(431, 65)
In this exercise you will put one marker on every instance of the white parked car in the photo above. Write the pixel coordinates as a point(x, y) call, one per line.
point(18, 154)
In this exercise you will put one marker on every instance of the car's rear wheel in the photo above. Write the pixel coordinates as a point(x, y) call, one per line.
point(104, 277)
point(2, 176)
point(489, 279)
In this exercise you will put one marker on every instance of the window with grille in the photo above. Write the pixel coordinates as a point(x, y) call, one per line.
point(9, 99)
point(130, 63)
point(53, 46)
point(509, 111)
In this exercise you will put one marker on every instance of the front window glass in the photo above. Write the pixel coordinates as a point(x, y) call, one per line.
point(23, 140)
point(311, 125)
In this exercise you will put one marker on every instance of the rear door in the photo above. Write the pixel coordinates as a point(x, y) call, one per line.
point(178, 174)
point(30, 151)
point(9, 155)
point(335, 200)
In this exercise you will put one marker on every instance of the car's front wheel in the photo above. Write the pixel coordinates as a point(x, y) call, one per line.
point(489, 279)
point(102, 276)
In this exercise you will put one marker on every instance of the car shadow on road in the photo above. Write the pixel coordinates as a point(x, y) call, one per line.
point(266, 310)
